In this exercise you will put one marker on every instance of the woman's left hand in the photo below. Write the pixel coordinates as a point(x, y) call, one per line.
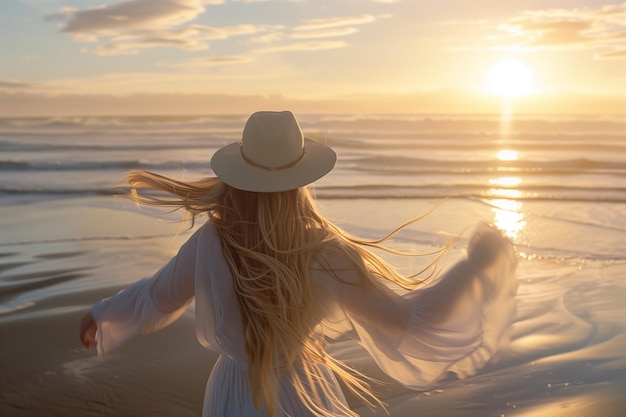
point(88, 328)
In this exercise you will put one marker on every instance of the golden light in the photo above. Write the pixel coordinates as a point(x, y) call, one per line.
point(505, 193)
point(508, 217)
point(505, 181)
point(510, 78)
point(507, 155)
point(504, 187)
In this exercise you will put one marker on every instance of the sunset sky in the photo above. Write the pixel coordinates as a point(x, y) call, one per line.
point(193, 56)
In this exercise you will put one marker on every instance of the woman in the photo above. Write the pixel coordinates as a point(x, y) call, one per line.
point(273, 280)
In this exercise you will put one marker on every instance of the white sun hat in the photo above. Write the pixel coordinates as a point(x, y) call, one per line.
point(273, 155)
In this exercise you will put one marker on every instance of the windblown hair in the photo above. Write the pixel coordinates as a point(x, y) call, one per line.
point(269, 241)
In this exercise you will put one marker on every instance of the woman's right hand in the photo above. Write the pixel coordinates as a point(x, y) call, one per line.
point(486, 245)
point(88, 328)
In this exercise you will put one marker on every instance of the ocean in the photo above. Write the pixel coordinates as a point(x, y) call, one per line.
point(567, 159)
point(555, 185)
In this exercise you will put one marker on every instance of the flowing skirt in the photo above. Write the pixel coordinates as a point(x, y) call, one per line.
point(228, 393)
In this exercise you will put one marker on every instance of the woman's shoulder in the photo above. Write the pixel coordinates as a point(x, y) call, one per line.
point(206, 233)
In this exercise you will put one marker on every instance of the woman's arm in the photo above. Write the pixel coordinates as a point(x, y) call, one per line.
point(145, 306)
point(455, 325)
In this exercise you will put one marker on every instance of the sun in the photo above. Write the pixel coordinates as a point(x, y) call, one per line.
point(510, 78)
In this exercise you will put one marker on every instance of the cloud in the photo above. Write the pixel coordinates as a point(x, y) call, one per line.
point(617, 54)
point(329, 28)
point(455, 22)
point(328, 33)
point(211, 61)
point(191, 38)
point(213, 33)
point(268, 37)
point(132, 47)
point(10, 85)
point(333, 22)
point(130, 26)
point(583, 28)
point(131, 15)
point(303, 46)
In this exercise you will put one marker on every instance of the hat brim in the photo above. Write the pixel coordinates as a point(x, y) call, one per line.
point(230, 167)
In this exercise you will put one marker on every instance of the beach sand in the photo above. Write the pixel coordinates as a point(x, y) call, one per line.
point(57, 259)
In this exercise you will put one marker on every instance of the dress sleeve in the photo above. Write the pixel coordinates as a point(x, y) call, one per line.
point(149, 304)
point(457, 324)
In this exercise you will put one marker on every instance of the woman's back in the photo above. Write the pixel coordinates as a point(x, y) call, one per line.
point(274, 281)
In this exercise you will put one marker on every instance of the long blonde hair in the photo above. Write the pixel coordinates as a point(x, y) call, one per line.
point(269, 241)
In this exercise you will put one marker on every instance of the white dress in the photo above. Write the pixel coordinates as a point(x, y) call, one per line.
point(455, 325)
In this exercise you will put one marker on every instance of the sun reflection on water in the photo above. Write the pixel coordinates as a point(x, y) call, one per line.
point(506, 208)
point(507, 155)
point(505, 181)
point(508, 216)
point(505, 187)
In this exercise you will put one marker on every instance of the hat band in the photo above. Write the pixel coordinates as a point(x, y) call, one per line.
point(269, 168)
